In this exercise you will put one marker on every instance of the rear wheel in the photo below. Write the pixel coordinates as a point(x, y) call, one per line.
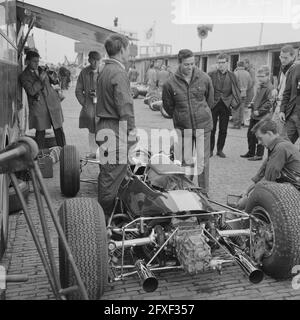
point(276, 229)
point(83, 222)
point(69, 171)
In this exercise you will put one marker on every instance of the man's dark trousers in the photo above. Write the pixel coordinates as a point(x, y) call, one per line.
point(254, 148)
point(59, 136)
point(219, 112)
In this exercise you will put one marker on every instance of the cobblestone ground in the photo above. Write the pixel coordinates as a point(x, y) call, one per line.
point(227, 176)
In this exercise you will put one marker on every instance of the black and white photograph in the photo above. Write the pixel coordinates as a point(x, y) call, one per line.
point(149, 152)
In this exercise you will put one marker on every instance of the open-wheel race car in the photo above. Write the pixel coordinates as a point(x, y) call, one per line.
point(162, 221)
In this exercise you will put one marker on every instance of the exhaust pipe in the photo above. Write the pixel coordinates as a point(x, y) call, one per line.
point(149, 281)
point(254, 274)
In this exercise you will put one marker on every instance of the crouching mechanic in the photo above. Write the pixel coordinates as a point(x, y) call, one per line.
point(283, 162)
point(115, 121)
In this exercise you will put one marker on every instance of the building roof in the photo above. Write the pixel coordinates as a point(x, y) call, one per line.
point(266, 47)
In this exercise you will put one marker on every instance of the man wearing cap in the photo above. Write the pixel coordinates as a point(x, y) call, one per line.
point(44, 103)
point(87, 96)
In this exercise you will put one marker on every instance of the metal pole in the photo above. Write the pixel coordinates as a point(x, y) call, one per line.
point(261, 33)
point(34, 235)
point(201, 45)
point(61, 233)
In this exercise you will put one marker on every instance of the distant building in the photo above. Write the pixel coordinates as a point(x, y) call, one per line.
point(155, 50)
point(206, 60)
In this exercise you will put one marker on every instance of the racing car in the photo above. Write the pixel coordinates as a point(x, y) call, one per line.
point(162, 221)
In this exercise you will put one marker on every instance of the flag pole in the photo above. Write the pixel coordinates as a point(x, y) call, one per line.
point(261, 33)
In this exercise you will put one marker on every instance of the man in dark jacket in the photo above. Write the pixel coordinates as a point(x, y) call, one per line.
point(226, 97)
point(261, 107)
point(86, 94)
point(44, 103)
point(290, 105)
point(116, 120)
point(188, 98)
point(283, 162)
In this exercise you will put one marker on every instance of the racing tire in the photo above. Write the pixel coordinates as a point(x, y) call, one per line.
point(134, 93)
point(83, 223)
point(164, 113)
point(69, 171)
point(280, 204)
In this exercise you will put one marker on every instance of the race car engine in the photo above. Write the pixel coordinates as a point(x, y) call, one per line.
point(192, 249)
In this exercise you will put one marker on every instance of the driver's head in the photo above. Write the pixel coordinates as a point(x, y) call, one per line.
point(186, 60)
point(266, 132)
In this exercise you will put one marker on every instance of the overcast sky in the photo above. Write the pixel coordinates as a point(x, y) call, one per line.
point(139, 15)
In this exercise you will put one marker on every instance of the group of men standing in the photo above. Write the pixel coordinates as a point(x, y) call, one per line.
point(195, 100)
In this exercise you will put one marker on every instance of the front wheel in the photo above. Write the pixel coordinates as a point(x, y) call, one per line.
point(276, 227)
point(69, 171)
point(83, 223)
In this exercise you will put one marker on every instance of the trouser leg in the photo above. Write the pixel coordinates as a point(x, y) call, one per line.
point(60, 137)
point(203, 156)
point(40, 138)
point(111, 177)
point(251, 138)
point(223, 127)
point(215, 115)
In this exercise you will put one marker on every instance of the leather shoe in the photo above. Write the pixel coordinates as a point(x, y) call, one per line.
point(247, 155)
point(255, 158)
point(221, 154)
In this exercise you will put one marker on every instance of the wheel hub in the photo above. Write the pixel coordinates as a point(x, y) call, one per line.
point(262, 236)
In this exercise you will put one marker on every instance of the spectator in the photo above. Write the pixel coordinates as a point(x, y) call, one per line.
point(151, 77)
point(65, 77)
point(244, 83)
point(261, 106)
point(162, 76)
point(283, 162)
point(87, 96)
point(249, 67)
point(133, 74)
point(287, 58)
point(290, 106)
point(226, 97)
point(188, 98)
point(116, 114)
point(44, 103)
